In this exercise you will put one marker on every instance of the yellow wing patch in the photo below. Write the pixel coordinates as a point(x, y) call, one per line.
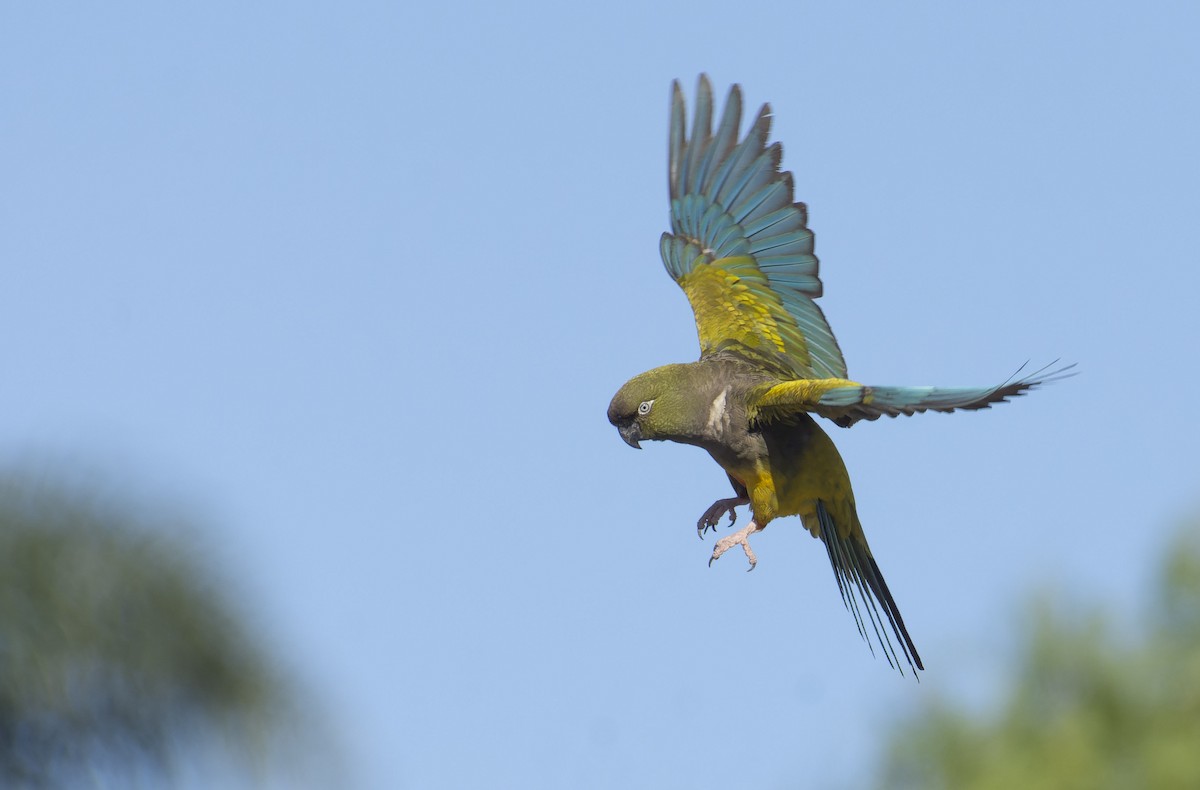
point(802, 393)
point(783, 400)
point(733, 303)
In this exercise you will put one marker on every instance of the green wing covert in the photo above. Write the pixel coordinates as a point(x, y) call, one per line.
point(740, 247)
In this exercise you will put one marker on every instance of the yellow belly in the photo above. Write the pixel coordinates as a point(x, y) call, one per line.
point(801, 465)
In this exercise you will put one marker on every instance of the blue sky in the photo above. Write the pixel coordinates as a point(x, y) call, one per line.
point(352, 285)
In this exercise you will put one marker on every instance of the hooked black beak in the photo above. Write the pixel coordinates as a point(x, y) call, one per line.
point(631, 432)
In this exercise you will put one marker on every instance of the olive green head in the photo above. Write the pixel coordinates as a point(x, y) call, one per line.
point(658, 404)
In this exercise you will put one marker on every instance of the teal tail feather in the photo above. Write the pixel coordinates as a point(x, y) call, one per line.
point(859, 577)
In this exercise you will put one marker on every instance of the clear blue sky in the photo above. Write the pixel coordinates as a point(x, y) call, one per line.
point(354, 284)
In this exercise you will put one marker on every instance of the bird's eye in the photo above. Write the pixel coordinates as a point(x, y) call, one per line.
point(644, 409)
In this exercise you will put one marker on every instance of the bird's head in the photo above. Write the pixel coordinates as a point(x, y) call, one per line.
point(653, 405)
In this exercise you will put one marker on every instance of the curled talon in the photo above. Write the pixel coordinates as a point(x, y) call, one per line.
point(712, 517)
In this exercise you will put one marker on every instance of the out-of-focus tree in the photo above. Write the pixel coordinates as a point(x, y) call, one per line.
point(121, 661)
point(1084, 710)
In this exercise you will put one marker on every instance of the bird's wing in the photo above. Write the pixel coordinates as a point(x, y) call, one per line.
point(740, 247)
point(847, 402)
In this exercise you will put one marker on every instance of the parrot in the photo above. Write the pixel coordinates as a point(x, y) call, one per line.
point(741, 250)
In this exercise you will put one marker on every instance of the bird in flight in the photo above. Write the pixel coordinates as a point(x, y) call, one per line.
point(741, 250)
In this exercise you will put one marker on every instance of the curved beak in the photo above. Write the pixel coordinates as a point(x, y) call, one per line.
point(631, 432)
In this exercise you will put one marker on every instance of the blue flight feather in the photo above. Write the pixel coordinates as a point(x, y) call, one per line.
point(729, 199)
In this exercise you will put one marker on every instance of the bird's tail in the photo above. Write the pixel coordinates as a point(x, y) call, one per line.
point(859, 577)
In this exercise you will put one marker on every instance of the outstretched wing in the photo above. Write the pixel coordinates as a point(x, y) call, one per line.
point(847, 402)
point(740, 247)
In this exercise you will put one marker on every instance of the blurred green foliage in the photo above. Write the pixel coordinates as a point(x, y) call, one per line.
point(118, 657)
point(1084, 710)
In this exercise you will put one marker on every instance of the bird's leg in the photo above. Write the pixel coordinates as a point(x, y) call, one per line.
point(742, 536)
point(712, 516)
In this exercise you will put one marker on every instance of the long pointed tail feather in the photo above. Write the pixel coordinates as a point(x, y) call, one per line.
point(858, 576)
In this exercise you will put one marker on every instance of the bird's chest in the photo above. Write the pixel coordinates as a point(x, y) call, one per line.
point(742, 453)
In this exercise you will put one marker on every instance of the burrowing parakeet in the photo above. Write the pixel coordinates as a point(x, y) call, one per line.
point(742, 251)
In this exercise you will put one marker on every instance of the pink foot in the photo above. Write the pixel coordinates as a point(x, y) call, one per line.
point(712, 516)
point(742, 536)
